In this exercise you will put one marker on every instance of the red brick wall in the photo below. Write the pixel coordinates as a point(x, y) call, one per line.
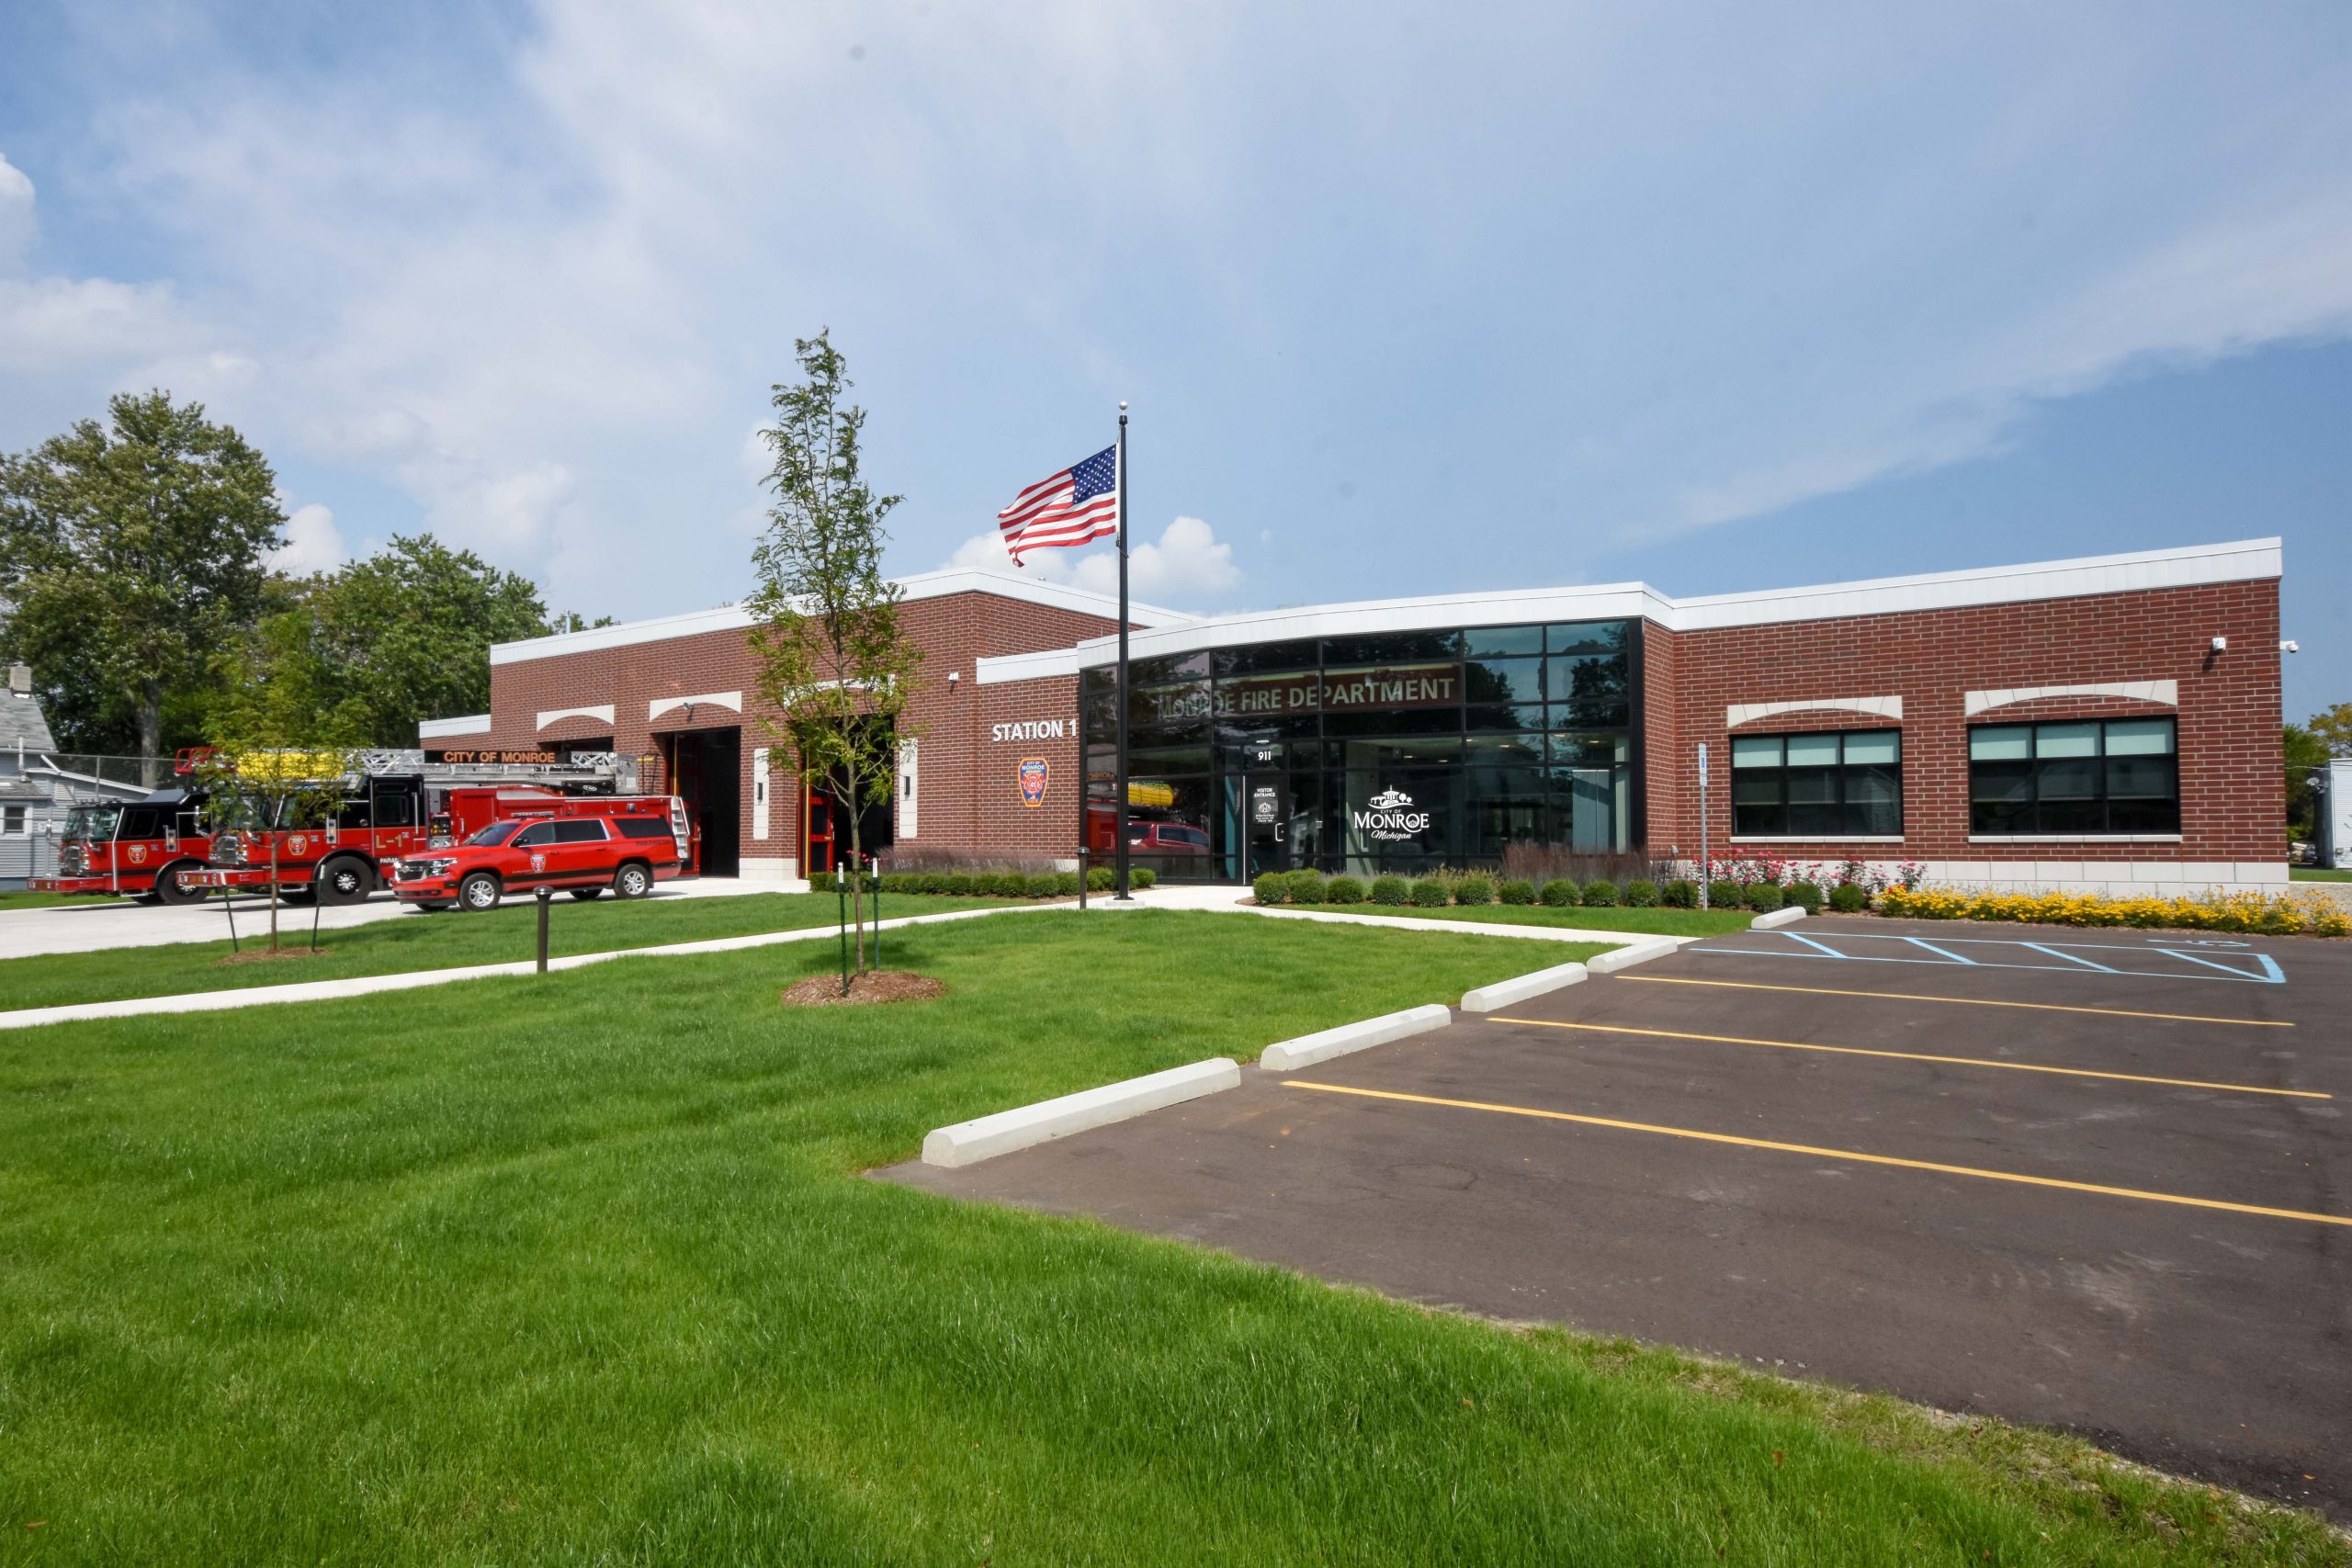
point(968, 795)
point(2231, 790)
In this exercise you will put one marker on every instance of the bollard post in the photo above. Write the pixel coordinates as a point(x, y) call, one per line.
point(546, 898)
point(1081, 876)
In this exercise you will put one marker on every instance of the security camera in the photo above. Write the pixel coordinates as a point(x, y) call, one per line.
point(2221, 643)
point(2290, 645)
point(953, 676)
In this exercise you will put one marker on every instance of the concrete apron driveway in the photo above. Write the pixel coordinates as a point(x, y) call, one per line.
point(2211, 1341)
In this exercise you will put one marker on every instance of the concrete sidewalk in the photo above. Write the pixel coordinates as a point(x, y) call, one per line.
point(416, 980)
point(1224, 899)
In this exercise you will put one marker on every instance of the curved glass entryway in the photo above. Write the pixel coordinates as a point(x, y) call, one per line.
point(1392, 752)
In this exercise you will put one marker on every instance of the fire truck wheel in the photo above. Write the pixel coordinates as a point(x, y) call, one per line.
point(344, 881)
point(479, 892)
point(632, 881)
point(584, 894)
point(170, 889)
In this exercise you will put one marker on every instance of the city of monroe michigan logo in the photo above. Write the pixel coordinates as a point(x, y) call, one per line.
point(1033, 781)
point(1389, 817)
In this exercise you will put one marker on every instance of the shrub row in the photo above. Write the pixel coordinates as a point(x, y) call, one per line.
point(2286, 914)
point(1004, 884)
point(1475, 888)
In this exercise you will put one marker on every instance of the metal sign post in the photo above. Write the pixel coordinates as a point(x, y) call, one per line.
point(1706, 871)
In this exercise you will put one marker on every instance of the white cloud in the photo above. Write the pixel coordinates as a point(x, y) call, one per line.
point(313, 543)
point(16, 214)
point(1185, 568)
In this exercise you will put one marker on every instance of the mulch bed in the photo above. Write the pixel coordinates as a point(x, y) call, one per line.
point(263, 956)
point(875, 986)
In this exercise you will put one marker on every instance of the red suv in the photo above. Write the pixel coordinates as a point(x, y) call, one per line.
point(584, 855)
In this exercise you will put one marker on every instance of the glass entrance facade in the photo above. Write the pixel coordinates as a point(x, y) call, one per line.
point(1390, 751)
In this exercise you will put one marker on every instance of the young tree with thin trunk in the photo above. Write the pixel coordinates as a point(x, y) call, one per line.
point(281, 749)
point(835, 667)
point(132, 553)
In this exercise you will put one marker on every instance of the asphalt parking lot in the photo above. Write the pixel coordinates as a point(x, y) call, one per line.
point(2087, 1179)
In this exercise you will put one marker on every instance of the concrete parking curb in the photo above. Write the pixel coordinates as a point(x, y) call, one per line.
point(1321, 1046)
point(986, 1136)
point(1503, 993)
point(1787, 917)
point(1626, 957)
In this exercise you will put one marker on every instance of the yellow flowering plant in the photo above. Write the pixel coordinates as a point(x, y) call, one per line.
point(2280, 914)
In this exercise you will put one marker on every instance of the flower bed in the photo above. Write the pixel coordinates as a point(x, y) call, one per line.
point(2284, 913)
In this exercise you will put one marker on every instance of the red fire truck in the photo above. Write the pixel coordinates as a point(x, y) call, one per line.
point(141, 849)
point(395, 805)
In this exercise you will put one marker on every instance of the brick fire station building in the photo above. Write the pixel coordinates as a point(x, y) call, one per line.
point(2101, 723)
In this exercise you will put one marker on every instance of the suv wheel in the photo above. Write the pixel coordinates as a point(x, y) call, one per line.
point(344, 881)
point(632, 881)
point(479, 891)
point(585, 894)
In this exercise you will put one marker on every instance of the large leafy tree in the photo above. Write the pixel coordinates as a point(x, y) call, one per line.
point(132, 552)
point(2306, 755)
point(2333, 729)
point(834, 663)
point(405, 634)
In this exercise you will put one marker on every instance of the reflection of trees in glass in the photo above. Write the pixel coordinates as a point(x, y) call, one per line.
point(1598, 684)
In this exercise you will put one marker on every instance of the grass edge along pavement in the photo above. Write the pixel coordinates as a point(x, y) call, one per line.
point(450, 940)
point(1600, 921)
point(509, 1274)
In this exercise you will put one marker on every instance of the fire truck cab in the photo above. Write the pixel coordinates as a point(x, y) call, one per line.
point(143, 849)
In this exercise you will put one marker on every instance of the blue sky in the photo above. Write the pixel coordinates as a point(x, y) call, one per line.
point(1425, 300)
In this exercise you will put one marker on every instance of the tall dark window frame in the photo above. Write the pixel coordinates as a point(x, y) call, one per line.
point(1838, 784)
point(2092, 778)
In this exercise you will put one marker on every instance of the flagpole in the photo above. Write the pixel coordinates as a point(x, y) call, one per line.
point(1119, 815)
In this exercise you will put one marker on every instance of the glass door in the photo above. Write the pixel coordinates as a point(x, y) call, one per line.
point(1266, 823)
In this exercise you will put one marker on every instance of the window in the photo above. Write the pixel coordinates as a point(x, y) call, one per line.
point(12, 818)
point(538, 835)
point(582, 831)
point(643, 827)
point(2084, 776)
point(1836, 785)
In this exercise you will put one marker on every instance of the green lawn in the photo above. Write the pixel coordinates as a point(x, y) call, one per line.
point(411, 940)
point(2316, 873)
point(1662, 922)
point(582, 1270)
point(26, 900)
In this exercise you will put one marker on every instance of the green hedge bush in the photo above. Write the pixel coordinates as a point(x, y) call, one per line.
point(1475, 889)
point(1599, 893)
point(1307, 888)
point(1099, 878)
point(1270, 887)
point(1763, 896)
point(1562, 893)
point(1848, 899)
point(1723, 895)
point(1517, 890)
point(1066, 884)
point(1680, 893)
point(1391, 890)
point(1142, 877)
point(1344, 890)
point(1431, 893)
point(1805, 896)
point(1641, 893)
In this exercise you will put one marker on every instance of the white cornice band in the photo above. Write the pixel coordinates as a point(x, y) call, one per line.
point(601, 712)
point(1738, 714)
point(2164, 692)
point(438, 729)
point(732, 701)
point(1022, 588)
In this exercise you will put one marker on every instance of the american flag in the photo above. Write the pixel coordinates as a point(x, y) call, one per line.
point(1075, 507)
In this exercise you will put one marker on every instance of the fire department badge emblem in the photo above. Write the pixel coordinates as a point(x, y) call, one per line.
point(538, 862)
point(297, 842)
point(138, 854)
point(1033, 781)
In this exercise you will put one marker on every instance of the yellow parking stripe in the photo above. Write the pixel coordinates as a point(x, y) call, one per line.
point(1816, 1153)
point(1921, 1056)
point(1958, 1002)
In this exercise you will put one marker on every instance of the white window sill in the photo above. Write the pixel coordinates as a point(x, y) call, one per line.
point(2073, 837)
point(1817, 838)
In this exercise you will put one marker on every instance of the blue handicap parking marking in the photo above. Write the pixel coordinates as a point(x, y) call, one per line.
point(2158, 958)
